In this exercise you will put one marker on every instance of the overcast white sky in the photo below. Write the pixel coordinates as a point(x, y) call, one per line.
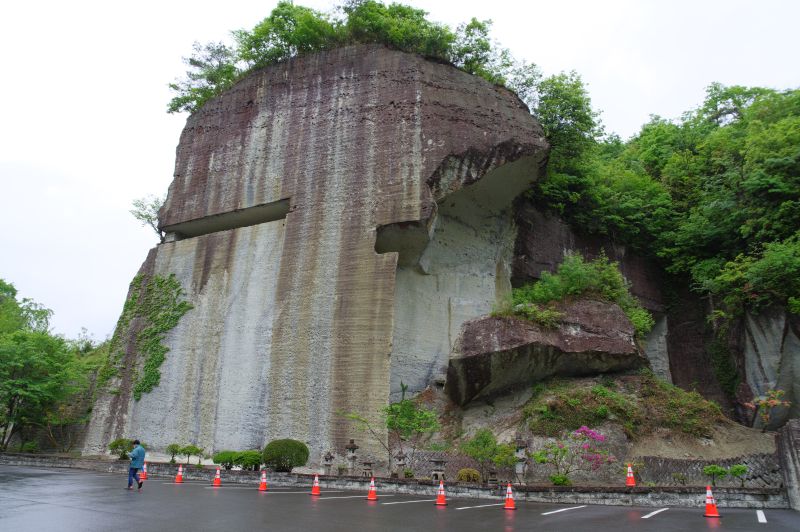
point(83, 127)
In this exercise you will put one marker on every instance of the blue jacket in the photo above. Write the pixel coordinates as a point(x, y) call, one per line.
point(137, 457)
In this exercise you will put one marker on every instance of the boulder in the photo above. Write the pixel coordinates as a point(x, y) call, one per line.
point(496, 354)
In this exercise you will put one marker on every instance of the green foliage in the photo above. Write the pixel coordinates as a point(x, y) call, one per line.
point(225, 459)
point(408, 473)
point(680, 478)
point(146, 211)
point(248, 459)
point(29, 447)
point(121, 447)
point(738, 471)
point(157, 303)
point(174, 449)
point(648, 403)
point(283, 455)
point(292, 30)
point(724, 368)
point(714, 471)
point(484, 449)
point(191, 450)
point(560, 480)
point(576, 278)
point(468, 474)
point(580, 450)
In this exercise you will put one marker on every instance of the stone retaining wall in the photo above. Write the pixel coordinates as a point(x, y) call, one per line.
point(605, 495)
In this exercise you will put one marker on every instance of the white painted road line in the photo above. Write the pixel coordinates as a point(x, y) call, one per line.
point(481, 506)
point(651, 514)
point(409, 502)
point(307, 492)
point(564, 510)
point(761, 517)
point(347, 496)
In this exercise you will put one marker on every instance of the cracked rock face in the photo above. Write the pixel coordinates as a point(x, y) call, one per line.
point(372, 191)
point(495, 355)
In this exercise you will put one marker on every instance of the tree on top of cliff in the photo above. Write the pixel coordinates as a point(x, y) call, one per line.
point(292, 30)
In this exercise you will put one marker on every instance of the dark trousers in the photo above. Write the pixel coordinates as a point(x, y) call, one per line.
point(133, 475)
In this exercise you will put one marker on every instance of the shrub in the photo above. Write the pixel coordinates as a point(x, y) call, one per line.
point(408, 473)
point(283, 455)
point(121, 447)
point(468, 475)
point(580, 451)
point(225, 458)
point(680, 478)
point(575, 277)
point(248, 459)
point(560, 480)
point(29, 447)
point(482, 448)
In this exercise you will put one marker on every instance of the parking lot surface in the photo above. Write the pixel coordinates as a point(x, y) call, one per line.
point(33, 499)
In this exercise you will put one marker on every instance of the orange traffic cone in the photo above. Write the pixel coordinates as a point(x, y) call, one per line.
point(143, 474)
point(373, 494)
point(179, 476)
point(263, 485)
point(711, 504)
point(441, 500)
point(315, 486)
point(509, 499)
point(217, 481)
point(630, 481)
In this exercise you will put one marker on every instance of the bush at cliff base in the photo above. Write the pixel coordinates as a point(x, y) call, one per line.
point(468, 474)
point(283, 455)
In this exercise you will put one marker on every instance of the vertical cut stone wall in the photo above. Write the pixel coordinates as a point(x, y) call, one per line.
point(294, 319)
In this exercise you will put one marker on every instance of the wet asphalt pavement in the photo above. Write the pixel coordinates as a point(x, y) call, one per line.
point(41, 500)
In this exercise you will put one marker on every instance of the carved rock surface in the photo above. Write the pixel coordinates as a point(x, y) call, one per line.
point(495, 355)
point(297, 313)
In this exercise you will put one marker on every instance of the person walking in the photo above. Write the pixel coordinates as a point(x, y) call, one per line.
point(137, 462)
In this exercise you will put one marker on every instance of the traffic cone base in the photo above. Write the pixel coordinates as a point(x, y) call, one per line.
point(711, 504)
point(315, 486)
point(143, 474)
point(509, 499)
point(179, 476)
point(441, 500)
point(373, 493)
point(263, 485)
point(217, 481)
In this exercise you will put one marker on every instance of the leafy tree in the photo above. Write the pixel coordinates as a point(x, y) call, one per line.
point(738, 471)
point(715, 471)
point(121, 447)
point(406, 421)
point(482, 448)
point(191, 450)
point(37, 371)
point(174, 449)
point(288, 31)
point(146, 211)
point(212, 69)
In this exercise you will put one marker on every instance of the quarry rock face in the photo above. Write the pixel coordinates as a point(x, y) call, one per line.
point(543, 239)
point(333, 221)
point(494, 355)
point(771, 355)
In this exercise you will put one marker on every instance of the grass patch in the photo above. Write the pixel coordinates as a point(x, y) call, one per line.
point(639, 405)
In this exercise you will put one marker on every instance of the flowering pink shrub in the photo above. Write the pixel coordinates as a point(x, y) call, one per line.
point(578, 452)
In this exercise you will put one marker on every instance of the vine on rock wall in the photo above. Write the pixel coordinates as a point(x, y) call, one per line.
point(158, 303)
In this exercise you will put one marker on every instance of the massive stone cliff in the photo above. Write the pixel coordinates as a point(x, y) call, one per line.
point(333, 220)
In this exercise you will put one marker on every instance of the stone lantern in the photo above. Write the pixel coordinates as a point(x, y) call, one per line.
point(437, 473)
point(400, 460)
point(327, 462)
point(351, 457)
